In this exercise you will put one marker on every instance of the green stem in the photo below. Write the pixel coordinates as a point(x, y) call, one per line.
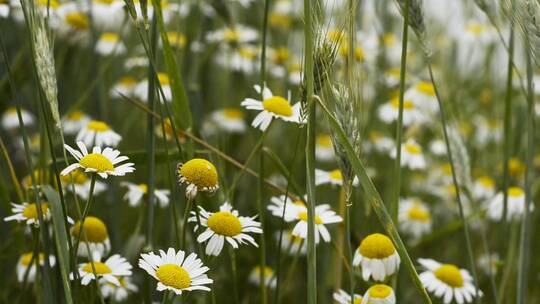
point(189, 204)
point(85, 212)
point(262, 247)
point(232, 255)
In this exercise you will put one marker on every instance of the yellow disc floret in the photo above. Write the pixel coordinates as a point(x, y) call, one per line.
point(278, 105)
point(413, 148)
point(225, 223)
point(98, 126)
point(99, 267)
point(27, 258)
point(515, 192)
point(98, 162)
point(324, 140)
point(336, 175)
point(426, 88)
point(31, 211)
point(450, 275)
point(376, 246)
point(95, 230)
point(303, 216)
point(416, 212)
point(233, 114)
point(77, 20)
point(77, 176)
point(199, 172)
point(380, 291)
point(173, 276)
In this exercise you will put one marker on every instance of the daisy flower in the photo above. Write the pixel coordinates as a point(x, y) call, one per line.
point(24, 263)
point(74, 121)
point(422, 94)
point(174, 272)
point(98, 133)
point(377, 256)
point(447, 281)
point(239, 59)
point(110, 44)
point(199, 175)
point(225, 225)
point(4, 9)
point(136, 192)
point(414, 217)
point(379, 294)
point(79, 182)
point(74, 24)
point(437, 147)
point(342, 297)
point(109, 271)
point(108, 15)
point(240, 34)
point(125, 86)
point(97, 236)
point(411, 155)
point(379, 142)
point(271, 107)
point(334, 177)
point(487, 130)
point(230, 120)
point(28, 212)
point(324, 151)
point(10, 120)
point(141, 90)
point(117, 292)
point(515, 207)
point(489, 263)
point(267, 274)
point(484, 187)
point(389, 111)
point(103, 163)
point(290, 244)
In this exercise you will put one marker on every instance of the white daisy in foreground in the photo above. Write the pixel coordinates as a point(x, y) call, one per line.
point(95, 236)
point(10, 119)
point(377, 257)
point(447, 281)
point(324, 151)
point(272, 106)
point(379, 294)
point(103, 163)
point(225, 225)
point(79, 182)
point(176, 272)
point(389, 112)
point(267, 274)
point(334, 177)
point(412, 156)
point(28, 212)
point(515, 207)
point(98, 133)
point(342, 297)
point(199, 175)
point(230, 120)
point(484, 187)
point(74, 121)
point(414, 217)
point(118, 292)
point(109, 271)
point(422, 94)
point(135, 194)
point(24, 263)
point(110, 44)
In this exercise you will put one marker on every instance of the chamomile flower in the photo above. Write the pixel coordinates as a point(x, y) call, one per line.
point(334, 177)
point(414, 217)
point(97, 236)
point(379, 142)
point(412, 156)
point(225, 225)
point(125, 86)
point(240, 34)
point(103, 163)
point(267, 274)
point(489, 263)
point(141, 90)
point(110, 44)
point(422, 94)
point(272, 106)
point(24, 263)
point(10, 120)
point(290, 244)
point(379, 294)
point(377, 257)
point(108, 15)
point(448, 282)
point(324, 151)
point(117, 292)
point(28, 213)
point(239, 59)
point(74, 121)
point(389, 111)
point(175, 272)
point(484, 187)
point(135, 194)
point(109, 271)
point(437, 147)
point(342, 297)
point(79, 182)
point(98, 133)
point(199, 175)
point(74, 24)
point(515, 207)
point(4, 9)
point(230, 120)
point(487, 130)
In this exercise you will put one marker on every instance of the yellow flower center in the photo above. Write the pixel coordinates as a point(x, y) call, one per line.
point(109, 37)
point(95, 230)
point(231, 35)
point(101, 268)
point(234, 114)
point(225, 223)
point(335, 35)
point(515, 192)
point(418, 213)
point(336, 175)
point(303, 216)
point(475, 29)
point(447, 169)
point(299, 203)
point(98, 126)
point(389, 39)
point(163, 79)
point(281, 55)
point(450, 275)
point(76, 115)
point(278, 105)
point(279, 20)
point(425, 88)
point(78, 177)
point(267, 271)
point(380, 291)
point(143, 187)
point(176, 39)
point(407, 104)
point(413, 148)
point(104, 1)
point(27, 258)
point(200, 172)
point(376, 246)
point(173, 276)
point(77, 20)
point(128, 81)
point(516, 166)
point(31, 211)
point(52, 3)
point(486, 182)
point(247, 53)
point(324, 140)
point(394, 73)
point(358, 300)
point(97, 161)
